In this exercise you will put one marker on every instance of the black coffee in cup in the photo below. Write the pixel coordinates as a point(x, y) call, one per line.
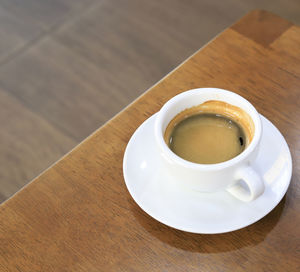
point(209, 133)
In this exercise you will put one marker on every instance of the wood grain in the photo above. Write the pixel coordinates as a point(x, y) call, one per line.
point(79, 216)
point(268, 23)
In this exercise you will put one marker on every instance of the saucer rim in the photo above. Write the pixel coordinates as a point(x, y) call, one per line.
point(193, 229)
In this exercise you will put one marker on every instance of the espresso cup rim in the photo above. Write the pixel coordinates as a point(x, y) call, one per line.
point(159, 132)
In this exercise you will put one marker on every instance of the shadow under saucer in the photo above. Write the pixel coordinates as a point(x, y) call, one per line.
point(209, 243)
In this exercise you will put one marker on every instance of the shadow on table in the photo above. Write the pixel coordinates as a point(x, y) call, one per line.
point(210, 243)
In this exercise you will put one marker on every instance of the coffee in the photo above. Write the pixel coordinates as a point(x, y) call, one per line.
point(212, 132)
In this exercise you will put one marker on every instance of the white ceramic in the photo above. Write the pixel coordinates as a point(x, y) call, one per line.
point(211, 177)
point(179, 207)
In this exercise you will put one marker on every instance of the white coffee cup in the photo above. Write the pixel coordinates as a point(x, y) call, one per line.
point(236, 175)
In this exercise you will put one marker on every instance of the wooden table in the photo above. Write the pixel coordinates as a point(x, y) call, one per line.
point(79, 216)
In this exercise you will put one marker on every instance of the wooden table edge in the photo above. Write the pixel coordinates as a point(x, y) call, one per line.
point(233, 26)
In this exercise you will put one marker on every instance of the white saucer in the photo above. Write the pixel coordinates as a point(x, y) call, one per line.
point(191, 211)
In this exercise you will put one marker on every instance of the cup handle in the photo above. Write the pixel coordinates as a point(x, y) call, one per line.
point(249, 185)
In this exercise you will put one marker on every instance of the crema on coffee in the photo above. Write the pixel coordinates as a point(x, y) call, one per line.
point(209, 133)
